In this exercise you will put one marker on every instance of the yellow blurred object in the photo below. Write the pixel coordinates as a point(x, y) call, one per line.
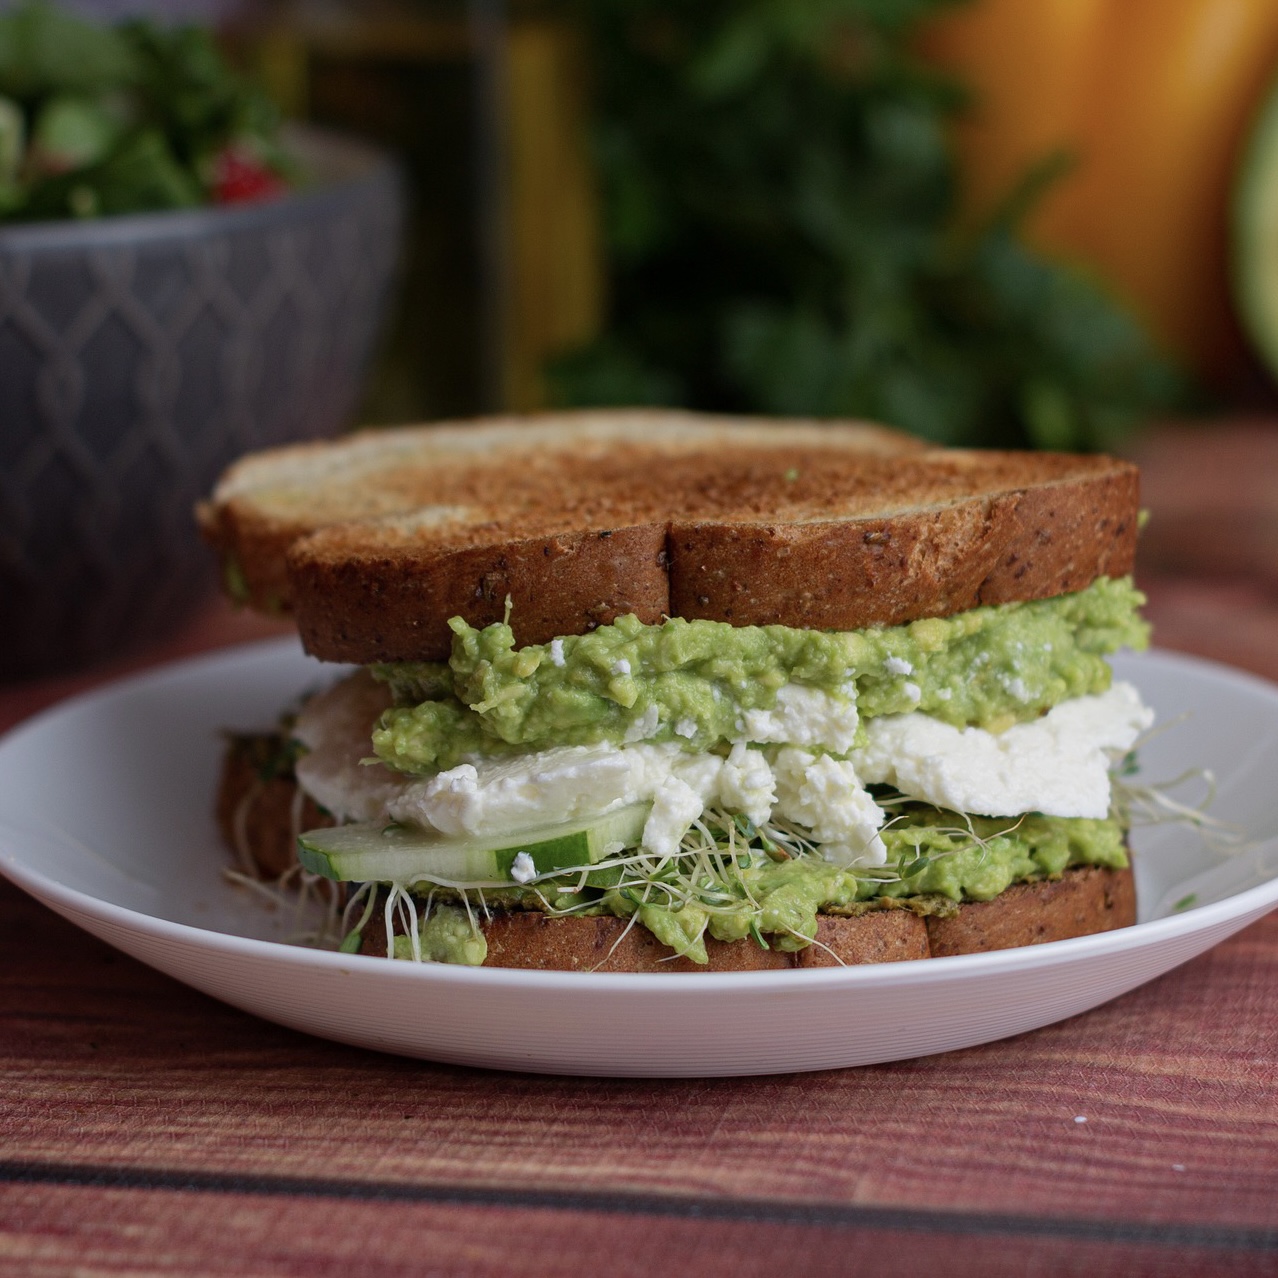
point(549, 261)
point(557, 289)
point(1153, 98)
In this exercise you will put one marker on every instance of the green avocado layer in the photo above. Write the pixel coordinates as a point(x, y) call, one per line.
point(936, 860)
point(690, 681)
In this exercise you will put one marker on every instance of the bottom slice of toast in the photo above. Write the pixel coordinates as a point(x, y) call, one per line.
point(1084, 900)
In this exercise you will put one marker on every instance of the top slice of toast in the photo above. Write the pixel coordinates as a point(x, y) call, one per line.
point(375, 541)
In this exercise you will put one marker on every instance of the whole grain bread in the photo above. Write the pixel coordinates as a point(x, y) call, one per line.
point(493, 468)
point(375, 542)
point(1084, 901)
point(260, 818)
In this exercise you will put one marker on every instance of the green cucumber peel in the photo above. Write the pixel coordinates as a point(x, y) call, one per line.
point(376, 852)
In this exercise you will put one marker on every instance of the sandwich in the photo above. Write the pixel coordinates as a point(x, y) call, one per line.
point(653, 691)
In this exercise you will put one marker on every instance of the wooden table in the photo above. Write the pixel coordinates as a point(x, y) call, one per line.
point(146, 1129)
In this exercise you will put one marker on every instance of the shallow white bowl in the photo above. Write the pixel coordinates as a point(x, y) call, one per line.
point(105, 816)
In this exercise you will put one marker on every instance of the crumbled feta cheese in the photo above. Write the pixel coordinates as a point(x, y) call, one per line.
point(566, 783)
point(520, 792)
point(1018, 688)
point(644, 726)
point(912, 690)
point(700, 771)
point(621, 666)
point(522, 869)
point(825, 794)
point(897, 666)
point(557, 653)
point(747, 783)
point(804, 716)
point(675, 806)
point(1057, 764)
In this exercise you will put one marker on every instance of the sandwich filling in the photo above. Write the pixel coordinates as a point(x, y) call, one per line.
point(733, 782)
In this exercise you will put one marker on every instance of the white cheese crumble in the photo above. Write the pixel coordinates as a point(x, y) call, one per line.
point(521, 792)
point(803, 716)
point(1018, 688)
point(825, 794)
point(747, 783)
point(522, 868)
point(897, 666)
point(557, 653)
point(644, 726)
point(913, 691)
point(675, 806)
point(621, 666)
point(686, 727)
point(1057, 764)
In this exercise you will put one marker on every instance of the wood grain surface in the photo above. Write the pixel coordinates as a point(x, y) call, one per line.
point(147, 1129)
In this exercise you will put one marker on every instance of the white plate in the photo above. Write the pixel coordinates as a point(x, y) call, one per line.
point(105, 815)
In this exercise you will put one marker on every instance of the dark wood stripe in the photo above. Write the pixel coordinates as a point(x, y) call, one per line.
point(753, 1211)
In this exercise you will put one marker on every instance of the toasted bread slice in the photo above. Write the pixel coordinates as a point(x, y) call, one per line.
point(792, 535)
point(466, 475)
point(526, 939)
point(1083, 901)
point(377, 540)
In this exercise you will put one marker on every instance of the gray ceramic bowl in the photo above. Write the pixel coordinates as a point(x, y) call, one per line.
point(138, 356)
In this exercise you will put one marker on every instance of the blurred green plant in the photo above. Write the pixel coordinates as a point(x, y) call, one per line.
point(780, 219)
point(125, 119)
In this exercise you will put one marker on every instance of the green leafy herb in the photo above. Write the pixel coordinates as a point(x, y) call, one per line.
point(780, 204)
point(132, 118)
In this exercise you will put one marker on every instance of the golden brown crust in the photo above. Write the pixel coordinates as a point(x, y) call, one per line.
point(1081, 902)
point(378, 540)
point(382, 607)
point(1025, 543)
point(494, 468)
point(604, 944)
point(376, 593)
point(878, 936)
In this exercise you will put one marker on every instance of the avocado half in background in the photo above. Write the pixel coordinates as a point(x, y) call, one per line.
point(1255, 233)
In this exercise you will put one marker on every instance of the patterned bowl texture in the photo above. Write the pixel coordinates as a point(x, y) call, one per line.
point(140, 355)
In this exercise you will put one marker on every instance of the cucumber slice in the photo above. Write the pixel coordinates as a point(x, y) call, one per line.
point(1255, 233)
point(401, 854)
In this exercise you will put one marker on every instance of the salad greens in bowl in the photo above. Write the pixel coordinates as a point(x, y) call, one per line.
point(129, 118)
point(181, 281)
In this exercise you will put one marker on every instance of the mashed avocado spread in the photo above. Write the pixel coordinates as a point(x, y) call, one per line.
point(691, 681)
point(936, 860)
